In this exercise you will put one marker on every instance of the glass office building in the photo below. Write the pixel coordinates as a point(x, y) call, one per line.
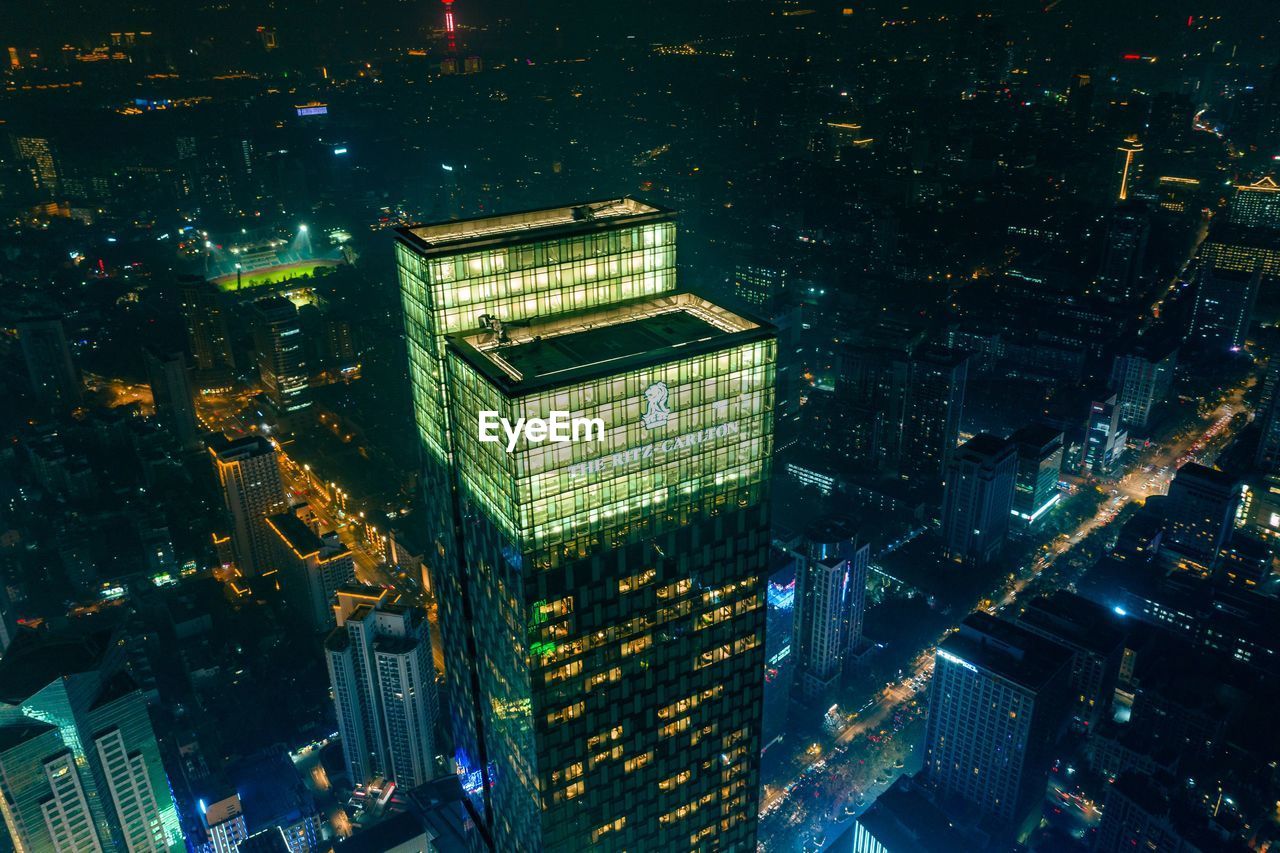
point(508, 267)
point(601, 601)
point(80, 768)
point(621, 582)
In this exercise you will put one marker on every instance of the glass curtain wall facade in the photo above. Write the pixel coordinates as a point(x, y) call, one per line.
point(513, 267)
point(620, 584)
point(80, 769)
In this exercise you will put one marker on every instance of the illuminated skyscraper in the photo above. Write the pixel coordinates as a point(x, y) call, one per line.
point(762, 286)
point(1256, 205)
point(313, 567)
point(1128, 168)
point(80, 768)
point(1223, 309)
point(450, 27)
point(998, 700)
point(1242, 250)
point(223, 821)
point(602, 602)
point(282, 359)
point(540, 263)
point(1105, 438)
point(630, 572)
point(249, 474)
point(40, 156)
point(831, 590)
point(384, 687)
point(1035, 490)
point(1141, 377)
point(978, 499)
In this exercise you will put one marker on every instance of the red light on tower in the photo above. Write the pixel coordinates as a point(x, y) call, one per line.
point(448, 22)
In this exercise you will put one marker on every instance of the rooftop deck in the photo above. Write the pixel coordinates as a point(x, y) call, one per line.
point(601, 341)
point(529, 225)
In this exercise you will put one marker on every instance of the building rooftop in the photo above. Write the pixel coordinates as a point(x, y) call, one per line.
point(228, 449)
point(1161, 798)
point(574, 347)
point(1006, 651)
point(908, 817)
point(388, 834)
point(1075, 620)
point(11, 736)
point(1152, 349)
point(1195, 471)
point(296, 534)
point(271, 791)
point(393, 645)
point(443, 808)
point(34, 661)
point(1037, 435)
point(607, 343)
point(526, 226)
point(1234, 233)
point(984, 446)
point(270, 840)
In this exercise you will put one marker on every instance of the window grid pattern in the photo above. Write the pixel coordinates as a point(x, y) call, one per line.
point(600, 689)
point(448, 294)
point(565, 497)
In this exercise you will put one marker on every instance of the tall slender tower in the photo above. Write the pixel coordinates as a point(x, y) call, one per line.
point(450, 29)
point(510, 267)
point(171, 389)
point(831, 588)
point(1128, 167)
point(384, 689)
point(249, 474)
point(282, 358)
point(602, 600)
point(55, 379)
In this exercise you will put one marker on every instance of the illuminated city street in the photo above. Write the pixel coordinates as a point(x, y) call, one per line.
point(788, 823)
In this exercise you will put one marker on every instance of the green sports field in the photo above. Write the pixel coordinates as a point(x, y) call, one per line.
point(272, 275)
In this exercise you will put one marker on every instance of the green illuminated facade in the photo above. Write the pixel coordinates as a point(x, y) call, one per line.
point(601, 602)
point(514, 267)
point(80, 768)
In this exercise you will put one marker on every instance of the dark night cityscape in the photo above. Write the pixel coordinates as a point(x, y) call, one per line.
point(377, 477)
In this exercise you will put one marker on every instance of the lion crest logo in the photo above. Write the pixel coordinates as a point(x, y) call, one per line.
point(657, 413)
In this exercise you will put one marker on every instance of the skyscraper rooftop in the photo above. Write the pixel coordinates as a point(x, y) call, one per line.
point(33, 661)
point(488, 231)
point(1005, 650)
point(605, 340)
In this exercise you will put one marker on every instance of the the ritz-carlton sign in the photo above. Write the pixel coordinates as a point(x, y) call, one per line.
point(561, 426)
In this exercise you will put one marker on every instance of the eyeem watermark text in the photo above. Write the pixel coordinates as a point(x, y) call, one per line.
point(559, 427)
